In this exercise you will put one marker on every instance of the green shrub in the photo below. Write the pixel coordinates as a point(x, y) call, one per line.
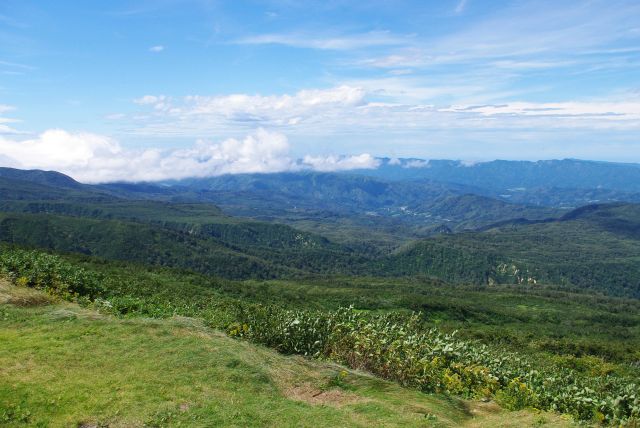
point(392, 345)
point(48, 272)
point(398, 347)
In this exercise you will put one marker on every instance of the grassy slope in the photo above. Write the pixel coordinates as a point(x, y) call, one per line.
point(65, 366)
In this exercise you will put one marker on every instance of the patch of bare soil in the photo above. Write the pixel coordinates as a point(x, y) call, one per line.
point(310, 394)
point(300, 384)
point(482, 408)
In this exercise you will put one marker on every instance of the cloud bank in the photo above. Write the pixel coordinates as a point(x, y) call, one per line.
point(92, 158)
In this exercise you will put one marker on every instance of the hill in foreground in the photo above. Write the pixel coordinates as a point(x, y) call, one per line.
point(67, 366)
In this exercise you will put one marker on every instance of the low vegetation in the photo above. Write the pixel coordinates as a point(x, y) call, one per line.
point(64, 366)
point(396, 346)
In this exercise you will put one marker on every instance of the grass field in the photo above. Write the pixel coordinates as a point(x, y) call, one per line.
point(62, 365)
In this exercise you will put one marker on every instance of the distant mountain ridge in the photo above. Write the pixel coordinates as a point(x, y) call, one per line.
point(417, 207)
point(326, 224)
point(49, 178)
point(504, 175)
point(327, 203)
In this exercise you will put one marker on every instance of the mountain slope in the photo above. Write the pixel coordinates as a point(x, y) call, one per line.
point(241, 249)
point(48, 178)
point(343, 207)
point(173, 372)
point(413, 206)
point(120, 240)
point(592, 247)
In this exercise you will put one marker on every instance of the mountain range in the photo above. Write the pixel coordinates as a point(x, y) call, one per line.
point(299, 224)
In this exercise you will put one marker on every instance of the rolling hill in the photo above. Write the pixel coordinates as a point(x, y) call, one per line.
point(363, 229)
point(337, 205)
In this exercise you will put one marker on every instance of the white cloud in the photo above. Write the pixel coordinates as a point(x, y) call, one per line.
point(394, 161)
point(401, 72)
point(468, 163)
point(156, 49)
point(416, 163)
point(341, 163)
point(149, 99)
point(525, 36)
point(93, 158)
point(6, 129)
point(211, 113)
point(58, 149)
point(279, 109)
point(351, 110)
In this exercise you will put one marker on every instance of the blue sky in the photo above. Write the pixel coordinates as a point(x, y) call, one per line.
point(160, 89)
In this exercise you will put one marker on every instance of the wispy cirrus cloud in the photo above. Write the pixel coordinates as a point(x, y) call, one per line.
point(328, 42)
point(4, 121)
point(14, 68)
point(16, 65)
point(624, 110)
point(462, 4)
point(374, 106)
point(527, 35)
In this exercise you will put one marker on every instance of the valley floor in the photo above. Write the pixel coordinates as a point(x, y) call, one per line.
point(62, 365)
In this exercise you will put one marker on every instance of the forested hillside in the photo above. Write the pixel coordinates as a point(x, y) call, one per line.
point(594, 247)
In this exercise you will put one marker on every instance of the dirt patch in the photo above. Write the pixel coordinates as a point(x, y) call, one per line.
point(482, 408)
point(308, 393)
point(300, 382)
